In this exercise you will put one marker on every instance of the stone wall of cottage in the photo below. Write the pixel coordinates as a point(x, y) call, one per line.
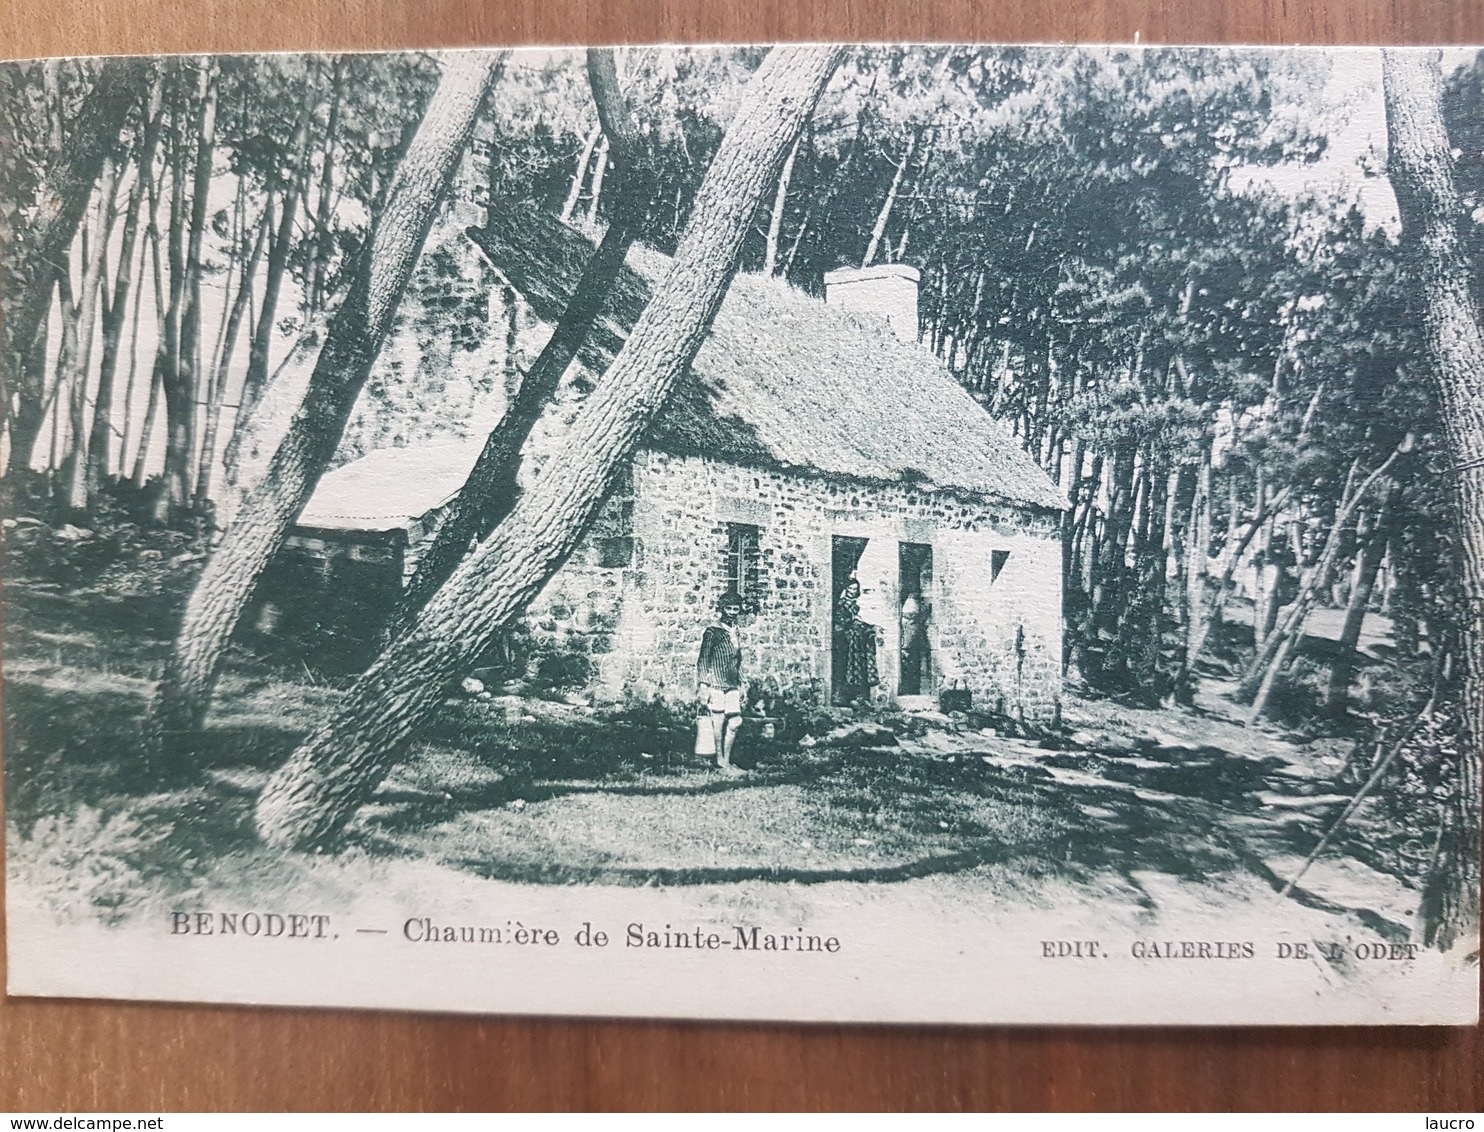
point(450, 362)
point(637, 595)
point(578, 613)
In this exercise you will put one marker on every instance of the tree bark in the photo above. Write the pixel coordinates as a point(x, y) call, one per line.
point(219, 379)
point(1263, 671)
point(1215, 596)
point(889, 203)
point(167, 355)
point(1363, 580)
point(1197, 560)
point(491, 488)
point(30, 273)
point(809, 200)
point(574, 194)
point(352, 343)
point(780, 205)
point(95, 274)
point(280, 244)
point(184, 391)
point(154, 394)
point(100, 459)
point(64, 393)
point(599, 173)
point(1421, 171)
point(129, 382)
point(324, 246)
point(147, 431)
point(309, 800)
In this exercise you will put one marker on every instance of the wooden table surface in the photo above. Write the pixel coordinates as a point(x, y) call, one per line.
point(103, 1056)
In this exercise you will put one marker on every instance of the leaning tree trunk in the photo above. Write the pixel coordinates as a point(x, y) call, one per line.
point(879, 229)
point(579, 178)
point(1267, 665)
point(490, 490)
point(325, 781)
point(352, 342)
point(1421, 171)
point(31, 271)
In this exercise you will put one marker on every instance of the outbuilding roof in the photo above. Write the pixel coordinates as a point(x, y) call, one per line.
point(390, 487)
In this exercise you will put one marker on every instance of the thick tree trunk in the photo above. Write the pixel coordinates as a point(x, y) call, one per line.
point(325, 781)
point(491, 488)
point(352, 343)
point(1421, 171)
point(30, 272)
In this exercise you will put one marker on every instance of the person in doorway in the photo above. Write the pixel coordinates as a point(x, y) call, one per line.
point(719, 678)
point(914, 642)
point(855, 642)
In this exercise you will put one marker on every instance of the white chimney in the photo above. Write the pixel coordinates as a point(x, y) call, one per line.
point(887, 289)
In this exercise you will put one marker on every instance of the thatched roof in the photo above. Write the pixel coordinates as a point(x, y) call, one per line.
point(784, 381)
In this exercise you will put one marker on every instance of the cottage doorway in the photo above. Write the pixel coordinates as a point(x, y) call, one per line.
point(914, 609)
point(845, 556)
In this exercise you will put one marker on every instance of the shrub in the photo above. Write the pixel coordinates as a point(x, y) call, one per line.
point(86, 863)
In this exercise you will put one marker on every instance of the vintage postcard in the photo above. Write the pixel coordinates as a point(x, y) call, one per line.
point(966, 534)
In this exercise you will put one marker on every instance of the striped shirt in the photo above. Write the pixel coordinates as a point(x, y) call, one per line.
point(720, 663)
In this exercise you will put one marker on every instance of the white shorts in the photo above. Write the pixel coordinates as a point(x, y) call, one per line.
point(727, 701)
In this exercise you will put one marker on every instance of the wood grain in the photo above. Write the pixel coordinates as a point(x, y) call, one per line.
point(107, 1056)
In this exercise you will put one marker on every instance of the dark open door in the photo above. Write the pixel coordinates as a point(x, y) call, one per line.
point(914, 611)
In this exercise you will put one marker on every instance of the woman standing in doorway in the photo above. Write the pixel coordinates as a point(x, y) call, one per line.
point(855, 644)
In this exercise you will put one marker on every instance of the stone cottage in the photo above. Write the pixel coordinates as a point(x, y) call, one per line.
point(811, 441)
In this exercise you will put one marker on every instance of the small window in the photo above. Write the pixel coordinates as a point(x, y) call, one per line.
point(744, 561)
point(997, 560)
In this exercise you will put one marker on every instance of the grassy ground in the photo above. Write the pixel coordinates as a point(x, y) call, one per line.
point(530, 790)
